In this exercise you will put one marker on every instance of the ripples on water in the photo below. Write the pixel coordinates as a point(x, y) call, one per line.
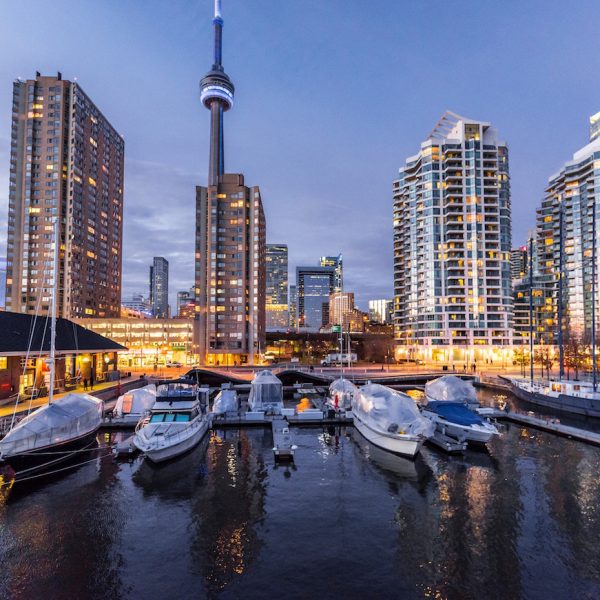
point(347, 521)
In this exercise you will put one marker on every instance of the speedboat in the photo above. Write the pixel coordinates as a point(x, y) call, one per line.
point(52, 434)
point(266, 393)
point(390, 419)
point(134, 404)
point(177, 422)
point(341, 393)
point(448, 399)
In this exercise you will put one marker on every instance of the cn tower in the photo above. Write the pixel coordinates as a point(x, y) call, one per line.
point(216, 93)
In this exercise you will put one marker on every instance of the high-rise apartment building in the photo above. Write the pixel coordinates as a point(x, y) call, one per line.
point(66, 163)
point(564, 234)
point(293, 307)
point(452, 240)
point(595, 127)
point(341, 304)
point(519, 263)
point(277, 305)
point(337, 263)
point(314, 286)
point(230, 241)
point(380, 311)
point(159, 287)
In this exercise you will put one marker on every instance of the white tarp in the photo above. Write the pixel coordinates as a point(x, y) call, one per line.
point(450, 388)
point(226, 401)
point(135, 402)
point(344, 390)
point(68, 418)
point(389, 411)
point(266, 392)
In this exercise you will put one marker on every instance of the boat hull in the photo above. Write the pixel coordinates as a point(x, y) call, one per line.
point(45, 460)
point(588, 407)
point(158, 454)
point(407, 446)
point(472, 434)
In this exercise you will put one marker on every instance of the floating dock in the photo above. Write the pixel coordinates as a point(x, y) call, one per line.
point(447, 444)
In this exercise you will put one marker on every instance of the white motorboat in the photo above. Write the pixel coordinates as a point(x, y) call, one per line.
point(341, 394)
point(266, 393)
point(390, 419)
point(177, 422)
point(448, 400)
point(134, 404)
point(283, 442)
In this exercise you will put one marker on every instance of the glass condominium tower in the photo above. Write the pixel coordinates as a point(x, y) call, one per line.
point(277, 305)
point(575, 192)
point(452, 242)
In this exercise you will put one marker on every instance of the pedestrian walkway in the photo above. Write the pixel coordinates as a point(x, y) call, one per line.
point(26, 405)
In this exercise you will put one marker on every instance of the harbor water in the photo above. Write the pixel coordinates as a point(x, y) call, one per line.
point(345, 521)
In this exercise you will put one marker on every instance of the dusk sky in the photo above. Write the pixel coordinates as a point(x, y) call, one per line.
point(331, 97)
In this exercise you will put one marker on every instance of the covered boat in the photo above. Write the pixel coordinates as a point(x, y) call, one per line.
point(450, 388)
point(47, 435)
point(390, 419)
point(266, 393)
point(449, 399)
point(134, 404)
point(226, 401)
point(341, 393)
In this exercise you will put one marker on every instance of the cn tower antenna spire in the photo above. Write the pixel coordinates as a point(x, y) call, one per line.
point(216, 93)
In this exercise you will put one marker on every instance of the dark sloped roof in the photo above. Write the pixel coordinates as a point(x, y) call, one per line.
point(16, 331)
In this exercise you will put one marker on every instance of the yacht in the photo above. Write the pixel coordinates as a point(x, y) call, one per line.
point(390, 419)
point(575, 397)
point(448, 406)
point(177, 422)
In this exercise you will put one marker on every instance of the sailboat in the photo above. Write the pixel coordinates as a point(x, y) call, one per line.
point(53, 433)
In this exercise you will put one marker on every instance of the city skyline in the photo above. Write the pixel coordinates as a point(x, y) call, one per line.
point(165, 161)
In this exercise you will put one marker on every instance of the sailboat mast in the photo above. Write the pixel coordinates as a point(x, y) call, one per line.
point(54, 311)
point(594, 294)
point(531, 308)
point(561, 349)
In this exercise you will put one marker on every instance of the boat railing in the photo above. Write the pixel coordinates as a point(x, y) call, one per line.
point(173, 432)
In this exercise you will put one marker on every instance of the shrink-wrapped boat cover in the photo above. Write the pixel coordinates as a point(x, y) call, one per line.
point(450, 388)
point(226, 401)
point(390, 411)
point(136, 401)
point(343, 390)
point(68, 418)
point(266, 392)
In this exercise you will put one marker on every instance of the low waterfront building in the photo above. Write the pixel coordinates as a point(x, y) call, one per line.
point(149, 342)
point(452, 240)
point(25, 347)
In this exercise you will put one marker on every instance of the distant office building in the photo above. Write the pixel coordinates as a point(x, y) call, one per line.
point(571, 196)
point(519, 263)
point(138, 303)
point(380, 311)
point(338, 264)
point(159, 287)
point(452, 243)
point(293, 307)
point(314, 285)
point(66, 162)
point(186, 303)
point(595, 127)
point(340, 305)
point(230, 241)
point(277, 306)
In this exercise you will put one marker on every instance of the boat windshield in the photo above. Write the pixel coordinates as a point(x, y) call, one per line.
point(176, 390)
point(170, 418)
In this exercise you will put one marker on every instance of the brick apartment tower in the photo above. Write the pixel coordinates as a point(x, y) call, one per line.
point(66, 162)
point(230, 242)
